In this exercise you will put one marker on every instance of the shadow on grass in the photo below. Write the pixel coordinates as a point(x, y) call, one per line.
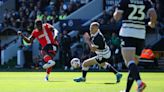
point(56, 81)
point(107, 83)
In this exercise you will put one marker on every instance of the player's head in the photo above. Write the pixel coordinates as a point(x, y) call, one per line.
point(38, 24)
point(94, 26)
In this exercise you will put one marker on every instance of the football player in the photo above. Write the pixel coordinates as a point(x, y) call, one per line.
point(44, 33)
point(97, 44)
point(132, 32)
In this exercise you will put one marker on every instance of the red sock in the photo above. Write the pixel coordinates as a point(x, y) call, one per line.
point(48, 70)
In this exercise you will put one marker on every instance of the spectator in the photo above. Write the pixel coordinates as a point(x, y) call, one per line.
point(27, 49)
point(33, 13)
point(115, 49)
point(6, 17)
point(105, 17)
point(54, 17)
point(57, 5)
point(70, 9)
point(62, 16)
point(50, 8)
point(39, 15)
point(65, 48)
point(30, 26)
point(160, 7)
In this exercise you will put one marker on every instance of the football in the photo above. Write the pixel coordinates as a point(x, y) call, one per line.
point(75, 63)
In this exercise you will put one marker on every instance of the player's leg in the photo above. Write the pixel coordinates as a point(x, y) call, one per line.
point(49, 62)
point(109, 67)
point(119, 61)
point(85, 67)
point(129, 57)
point(48, 65)
point(141, 84)
point(130, 48)
point(48, 71)
point(49, 52)
point(86, 64)
point(130, 81)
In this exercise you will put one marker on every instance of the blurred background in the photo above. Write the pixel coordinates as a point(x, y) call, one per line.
point(72, 19)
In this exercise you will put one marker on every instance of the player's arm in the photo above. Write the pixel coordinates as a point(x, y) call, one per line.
point(117, 14)
point(153, 17)
point(28, 40)
point(87, 39)
point(122, 5)
point(92, 47)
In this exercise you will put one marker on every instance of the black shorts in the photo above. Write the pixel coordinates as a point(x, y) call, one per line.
point(50, 49)
point(133, 42)
point(102, 60)
point(104, 56)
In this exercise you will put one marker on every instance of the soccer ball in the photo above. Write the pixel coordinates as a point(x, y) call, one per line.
point(75, 63)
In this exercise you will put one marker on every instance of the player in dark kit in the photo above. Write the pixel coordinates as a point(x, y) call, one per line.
point(44, 33)
point(97, 44)
point(132, 32)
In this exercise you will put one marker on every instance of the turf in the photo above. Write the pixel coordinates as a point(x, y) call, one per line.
point(62, 82)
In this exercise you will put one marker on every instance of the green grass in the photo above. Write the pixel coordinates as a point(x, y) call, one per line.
point(62, 82)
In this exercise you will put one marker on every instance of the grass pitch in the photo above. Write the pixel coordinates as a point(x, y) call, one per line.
point(63, 82)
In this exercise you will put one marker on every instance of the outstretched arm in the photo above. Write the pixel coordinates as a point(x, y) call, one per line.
point(28, 40)
point(87, 40)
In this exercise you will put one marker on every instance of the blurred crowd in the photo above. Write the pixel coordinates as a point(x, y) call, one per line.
point(50, 11)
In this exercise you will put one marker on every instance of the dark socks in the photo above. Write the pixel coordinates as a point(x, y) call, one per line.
point(134, 71)
point(112, 69)
point(84, 74)
point(130, 81)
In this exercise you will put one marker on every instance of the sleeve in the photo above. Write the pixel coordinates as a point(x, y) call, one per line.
point(49, 26)
point(122, 5)
point(33, 34)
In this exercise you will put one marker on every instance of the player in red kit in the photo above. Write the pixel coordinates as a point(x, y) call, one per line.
point(44, 33)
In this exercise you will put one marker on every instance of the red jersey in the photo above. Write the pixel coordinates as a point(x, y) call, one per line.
point(44, 36)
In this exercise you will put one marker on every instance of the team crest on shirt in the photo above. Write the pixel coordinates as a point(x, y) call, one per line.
point(42, 35)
